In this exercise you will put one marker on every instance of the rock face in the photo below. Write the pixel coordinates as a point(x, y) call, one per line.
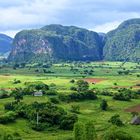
point(56, 42)
point(123, 44)
point(5, 44)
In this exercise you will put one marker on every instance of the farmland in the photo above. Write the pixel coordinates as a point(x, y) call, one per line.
point(101, 76)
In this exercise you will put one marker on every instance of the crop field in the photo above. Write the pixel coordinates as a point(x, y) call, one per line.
point(101, 76)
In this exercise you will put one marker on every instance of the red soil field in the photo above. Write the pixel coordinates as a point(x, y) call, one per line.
point(133, 109)
point(94, 80)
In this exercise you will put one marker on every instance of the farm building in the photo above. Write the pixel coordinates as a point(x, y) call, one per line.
point(135, 120)
point(38, 93)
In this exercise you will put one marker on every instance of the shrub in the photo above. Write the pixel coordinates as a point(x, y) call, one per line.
point(51, 92)
point(9, 106)
point(68, 121)
point(4, 94)
point(54, 100)
point(115, 120)
point(87, 95)
point(39, 127)
point(16, 81)
point(103, 105)
point(64, 98)
point(116, 134)
point(73, 88)
point(72, 81)
point(82, 85)
point(122, 97)
point(8, 117)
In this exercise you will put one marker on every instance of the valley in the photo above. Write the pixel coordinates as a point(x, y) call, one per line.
point(104, 78)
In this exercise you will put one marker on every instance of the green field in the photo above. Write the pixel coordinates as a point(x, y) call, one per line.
point(60, 75)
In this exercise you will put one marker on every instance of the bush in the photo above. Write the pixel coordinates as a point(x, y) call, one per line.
point(122, 97)
point(39, 127)
point(87, 95)
point(51, 92)
point(82, 86)
point(115, 120)
point(54, 100)
point(68, 121)
point(4, 94)
point(116, 134)
point(105, 93)
point(64, 98)
point(16, 81)
point(9, 106)
point(36, 86)
point(73, 88)
point(8, 117)
point(72, 81)
point(103, 105)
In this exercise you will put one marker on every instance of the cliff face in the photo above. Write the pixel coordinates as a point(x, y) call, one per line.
point(123, 44)
point(56, 42)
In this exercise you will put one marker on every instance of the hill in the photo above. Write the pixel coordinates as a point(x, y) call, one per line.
point(5, 44)
point(123, 43)
point(56, 43)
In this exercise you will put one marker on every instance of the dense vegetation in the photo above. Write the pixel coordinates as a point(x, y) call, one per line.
point(79, 100)
point(55, 43)
point(122, 44)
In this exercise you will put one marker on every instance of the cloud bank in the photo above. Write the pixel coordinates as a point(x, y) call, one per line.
point(98, 15)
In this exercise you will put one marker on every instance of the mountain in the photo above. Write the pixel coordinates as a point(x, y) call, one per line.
point(5, 44)
point(56, 42)
point(123, 43)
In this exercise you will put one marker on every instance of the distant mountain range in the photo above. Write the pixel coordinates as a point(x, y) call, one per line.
point(5, 45)
point(64, 43)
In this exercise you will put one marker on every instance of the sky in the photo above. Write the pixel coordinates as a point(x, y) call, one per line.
point(96, 15)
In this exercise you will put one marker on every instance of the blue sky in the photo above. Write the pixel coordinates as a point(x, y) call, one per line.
point(96, 15)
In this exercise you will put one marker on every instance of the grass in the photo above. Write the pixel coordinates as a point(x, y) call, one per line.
point(89, 110)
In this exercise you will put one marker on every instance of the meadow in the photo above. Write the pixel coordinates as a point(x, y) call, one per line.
point(100, 75)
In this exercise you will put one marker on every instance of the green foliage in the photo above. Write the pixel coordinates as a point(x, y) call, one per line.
point(53, 36)
point(4, 94)
point(90, 133)
point(79, 96)
point(18, 94)
point(8, 117)
point(75, 108)
point(79, 131)
point(122, 44)
point(9, 136)
point(54, 100)
point(82, 86)
point(68, 121)
point(125, 95)
point(104, 105)
point(115, 120)
point(115, 134)
point(36, 86)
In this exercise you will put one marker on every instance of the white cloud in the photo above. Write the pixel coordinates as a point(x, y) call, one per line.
point(98, 15)
point(104, 28)
point(10, 33)
point(30, 14)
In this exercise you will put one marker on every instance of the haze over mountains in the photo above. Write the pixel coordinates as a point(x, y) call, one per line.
point(5, 44)
point(63, 43)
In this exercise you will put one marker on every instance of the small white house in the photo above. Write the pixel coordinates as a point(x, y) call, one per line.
point(38, 93)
